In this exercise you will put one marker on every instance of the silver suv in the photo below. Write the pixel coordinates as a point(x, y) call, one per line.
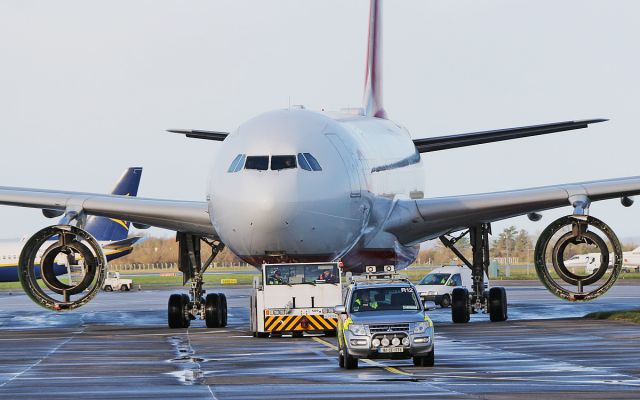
point(384, 320)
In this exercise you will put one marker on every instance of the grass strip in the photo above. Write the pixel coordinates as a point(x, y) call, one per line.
point(625, 315)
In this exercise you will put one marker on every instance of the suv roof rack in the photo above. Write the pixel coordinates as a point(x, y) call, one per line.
point(380, 277)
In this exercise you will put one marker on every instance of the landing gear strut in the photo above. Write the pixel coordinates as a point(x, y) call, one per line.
point(463, 303)
point(183, 308)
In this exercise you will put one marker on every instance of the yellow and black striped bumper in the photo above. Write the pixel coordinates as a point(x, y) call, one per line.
point(299, 323)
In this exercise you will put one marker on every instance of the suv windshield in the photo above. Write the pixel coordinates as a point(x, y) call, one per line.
point(301, 274)
point(384, 299)
point(435, 279)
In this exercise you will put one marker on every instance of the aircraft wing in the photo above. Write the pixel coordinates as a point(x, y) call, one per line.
point(183, 216)
point(471, 139)
point(414, 221)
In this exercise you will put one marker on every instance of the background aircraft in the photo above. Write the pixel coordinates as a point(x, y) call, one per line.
point(300, 185)
point(112, 234)
point(591, 261)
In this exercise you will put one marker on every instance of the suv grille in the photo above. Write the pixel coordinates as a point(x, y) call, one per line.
point(388, 328)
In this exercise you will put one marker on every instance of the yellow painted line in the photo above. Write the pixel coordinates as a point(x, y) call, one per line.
point(370, 362)
point(324, 342)
point(389, 369)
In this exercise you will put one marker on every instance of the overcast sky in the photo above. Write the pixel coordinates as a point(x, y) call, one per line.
point(87, 88)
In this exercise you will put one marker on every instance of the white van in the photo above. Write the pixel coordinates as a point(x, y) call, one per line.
point(438, 284)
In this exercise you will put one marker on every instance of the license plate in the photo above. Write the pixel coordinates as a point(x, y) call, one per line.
point(390, 350)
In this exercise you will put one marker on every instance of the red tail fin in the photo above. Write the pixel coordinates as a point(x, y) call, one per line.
point(372, 101)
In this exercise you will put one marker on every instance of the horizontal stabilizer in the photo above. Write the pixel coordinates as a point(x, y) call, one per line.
point(471, 139)
point(200, 134)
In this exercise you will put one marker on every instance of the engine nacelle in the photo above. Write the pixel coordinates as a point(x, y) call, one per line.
point(70, 263)
point(581, 233)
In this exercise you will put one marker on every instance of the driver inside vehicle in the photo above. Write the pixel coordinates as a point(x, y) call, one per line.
point(363, 301)
point(327, 276)
point(276, 278)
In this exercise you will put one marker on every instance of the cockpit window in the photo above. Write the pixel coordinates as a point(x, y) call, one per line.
point(282, 162)
point(315, 165)
point(303, 162)
point(261, 163)
point(237, 163)
point(308, 162)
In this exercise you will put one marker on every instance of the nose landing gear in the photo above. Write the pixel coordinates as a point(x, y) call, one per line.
point(183, 308)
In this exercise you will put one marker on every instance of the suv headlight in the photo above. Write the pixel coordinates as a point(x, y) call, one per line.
point(358, 330)
point(420, 327)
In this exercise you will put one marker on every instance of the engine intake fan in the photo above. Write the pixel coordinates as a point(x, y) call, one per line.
point(72, 267)
point(582, 234)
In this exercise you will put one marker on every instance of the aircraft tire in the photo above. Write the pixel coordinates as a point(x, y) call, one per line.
point(460, 305)
point(224, 315)
point(498, 304)
point(213, 310)
point(176, 313)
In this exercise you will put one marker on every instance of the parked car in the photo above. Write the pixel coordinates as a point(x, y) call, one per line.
point(438, 284)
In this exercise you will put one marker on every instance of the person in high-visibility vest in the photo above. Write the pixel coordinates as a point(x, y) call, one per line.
point(363, 301)
point(276, 278)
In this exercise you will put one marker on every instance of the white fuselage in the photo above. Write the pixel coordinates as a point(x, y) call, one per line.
point(296, 215)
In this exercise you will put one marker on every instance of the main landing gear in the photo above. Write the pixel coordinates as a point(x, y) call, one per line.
point(463, 303)
point(183, 308)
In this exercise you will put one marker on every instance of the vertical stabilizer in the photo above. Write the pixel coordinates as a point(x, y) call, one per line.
point(111, 229)
point(372, 102)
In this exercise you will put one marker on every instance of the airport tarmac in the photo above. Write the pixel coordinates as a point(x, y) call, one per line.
point(118, 346)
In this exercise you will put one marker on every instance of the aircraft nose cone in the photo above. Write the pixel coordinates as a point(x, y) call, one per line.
point(265, 203)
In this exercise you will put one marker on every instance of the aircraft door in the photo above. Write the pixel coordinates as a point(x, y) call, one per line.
point(350, 162)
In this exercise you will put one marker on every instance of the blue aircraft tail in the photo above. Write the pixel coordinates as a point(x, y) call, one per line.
point(111, 229)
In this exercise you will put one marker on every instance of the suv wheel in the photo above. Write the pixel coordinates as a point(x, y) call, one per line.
point(425, 361)
point(350, 362)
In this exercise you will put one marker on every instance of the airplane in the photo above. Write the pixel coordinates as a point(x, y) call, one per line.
point(112, 234)
point(591, 261)
point(297, 185)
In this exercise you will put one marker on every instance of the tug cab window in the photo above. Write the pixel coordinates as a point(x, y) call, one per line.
point(282, 162)
point(308, 162)
point(261, 163)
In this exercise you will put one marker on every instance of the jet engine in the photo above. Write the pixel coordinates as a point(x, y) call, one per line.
point(70, 263)
point(568, 276)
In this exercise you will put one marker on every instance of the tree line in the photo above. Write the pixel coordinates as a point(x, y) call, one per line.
point(154, 250)
point(512, 243)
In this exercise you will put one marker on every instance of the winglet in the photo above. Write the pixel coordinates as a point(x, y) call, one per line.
point(372, 101)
